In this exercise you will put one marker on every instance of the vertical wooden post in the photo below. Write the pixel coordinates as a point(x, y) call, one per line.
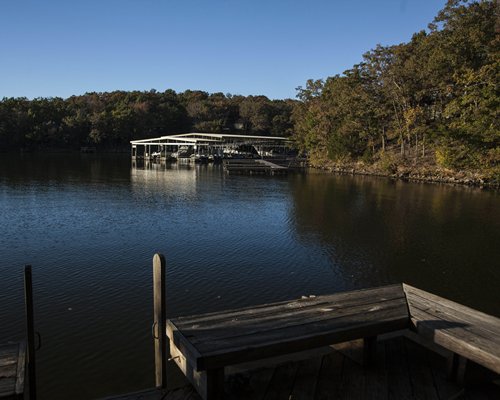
point(30, 331)
point(461, 371)
point(159, 325)
point(369, 350)
point(215, 384)
point(451, 366)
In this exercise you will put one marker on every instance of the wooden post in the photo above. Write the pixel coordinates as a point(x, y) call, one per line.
point(30, 331)
point(159, 325)
point(369, 350)
point(215, 384)
point(452, 366)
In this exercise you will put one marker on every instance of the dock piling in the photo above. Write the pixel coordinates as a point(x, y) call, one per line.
point(159, 324)
point(30, 331)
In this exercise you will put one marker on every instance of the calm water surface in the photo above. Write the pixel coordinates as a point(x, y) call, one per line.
point(90, 226)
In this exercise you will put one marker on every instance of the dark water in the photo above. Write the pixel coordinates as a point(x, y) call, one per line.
point(90, 226)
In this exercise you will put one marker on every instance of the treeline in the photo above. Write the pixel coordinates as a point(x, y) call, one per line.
point(111, 120)
point(438, 92)
point(434, 99)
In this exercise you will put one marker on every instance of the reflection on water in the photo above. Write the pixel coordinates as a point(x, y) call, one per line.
point(441, 238)
point(90, 225)
point(152, 177)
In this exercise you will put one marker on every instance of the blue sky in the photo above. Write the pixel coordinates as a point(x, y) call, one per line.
point(65, 47)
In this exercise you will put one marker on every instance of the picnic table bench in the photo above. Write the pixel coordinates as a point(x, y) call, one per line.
point(469, 334)
point(203, 345)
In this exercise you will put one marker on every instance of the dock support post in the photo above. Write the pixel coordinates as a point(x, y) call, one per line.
point(369, 350)
point(30, 331)
point(215, 384)
point(159, 325)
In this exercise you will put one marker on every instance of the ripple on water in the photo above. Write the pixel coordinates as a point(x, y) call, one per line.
point(230, 241)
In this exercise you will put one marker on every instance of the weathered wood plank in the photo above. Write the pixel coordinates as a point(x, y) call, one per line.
point(8, 352)
point(467, 332)
point(281, 383)
point(304, 385)
point(488, 319)
point(297, 338)
point(330, 377)
point(12, 370)
point(7, 387)
point(184, 393)
point(311, 323)
point(250, 385)
point(455, 337)
point(399, 383)
point(159, 328)
point(21, 368)
point(479, 326)
point(9, 370)
point(288, 315)
point(215, 384)
point(446, 389)
point(8, 360)
point(188, 367)
point(337, 300)
point(30, 332)
point(200, 335)
point(353, 380)
point(281, 342)
point(352, 349)
point(401, 376)
point(183, 345)
point(376, 375)
point(420, 375)
point(367, 312)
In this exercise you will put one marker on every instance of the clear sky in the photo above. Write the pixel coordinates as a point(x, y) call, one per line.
point(64, 47)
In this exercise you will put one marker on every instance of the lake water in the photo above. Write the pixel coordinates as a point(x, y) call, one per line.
point(90, 225)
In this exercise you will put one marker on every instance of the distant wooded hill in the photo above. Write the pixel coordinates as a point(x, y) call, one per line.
point(113, 119)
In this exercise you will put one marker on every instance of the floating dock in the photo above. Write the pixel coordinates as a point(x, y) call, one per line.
point(252, 167)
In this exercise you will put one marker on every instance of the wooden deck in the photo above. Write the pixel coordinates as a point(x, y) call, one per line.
point(216, 351)
point(402, 369)
point(12, 370)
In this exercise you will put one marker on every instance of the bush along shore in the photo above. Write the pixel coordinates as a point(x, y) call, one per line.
point(420, 170)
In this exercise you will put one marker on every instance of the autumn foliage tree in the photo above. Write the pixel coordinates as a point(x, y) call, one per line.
point(435, 95)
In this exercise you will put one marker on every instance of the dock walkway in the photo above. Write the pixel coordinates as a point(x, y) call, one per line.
point(402, 370)
point(252, 166)
point(12, 370)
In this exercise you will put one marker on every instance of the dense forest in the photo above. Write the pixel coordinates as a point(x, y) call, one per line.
point(433, 100)
point(111, 120)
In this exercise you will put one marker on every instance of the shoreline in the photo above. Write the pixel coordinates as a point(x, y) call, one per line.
point(424, 174)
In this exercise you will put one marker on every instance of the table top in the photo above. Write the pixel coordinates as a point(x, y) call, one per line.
point(234, 336)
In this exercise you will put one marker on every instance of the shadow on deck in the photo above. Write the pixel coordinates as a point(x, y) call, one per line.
point(402, 369)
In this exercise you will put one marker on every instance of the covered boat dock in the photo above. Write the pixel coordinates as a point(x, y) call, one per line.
point(196, 144)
